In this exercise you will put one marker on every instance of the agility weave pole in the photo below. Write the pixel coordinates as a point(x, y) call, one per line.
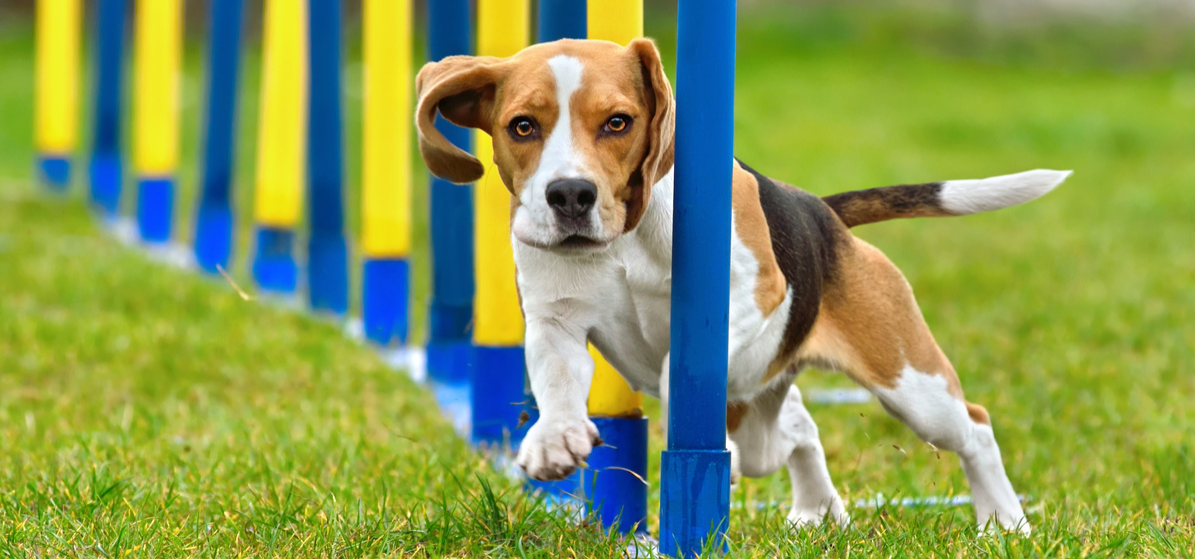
point(615, 486)
point(327, 250)
point(695, 470)
point(497, 367)
point(450, 316)
point(281, 145)
point(57, 85)
point(105, 171)
point(386, 171)
point(214, 223)
point(157, 63)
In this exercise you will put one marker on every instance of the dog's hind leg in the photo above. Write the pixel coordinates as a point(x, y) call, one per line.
point(871, 328)
point(775, 429)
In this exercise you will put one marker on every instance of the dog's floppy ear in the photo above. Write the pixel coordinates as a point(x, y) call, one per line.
point(461, 89)
point(662, 129)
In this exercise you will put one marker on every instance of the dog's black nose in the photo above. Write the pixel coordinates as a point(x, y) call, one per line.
point(571, 198)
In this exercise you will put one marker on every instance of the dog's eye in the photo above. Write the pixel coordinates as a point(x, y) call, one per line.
point(618, 123)
point(522, 127)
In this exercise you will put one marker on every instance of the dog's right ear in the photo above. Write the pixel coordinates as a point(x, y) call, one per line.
point(461, 89)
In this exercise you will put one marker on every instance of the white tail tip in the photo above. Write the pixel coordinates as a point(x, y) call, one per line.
point(984, 195)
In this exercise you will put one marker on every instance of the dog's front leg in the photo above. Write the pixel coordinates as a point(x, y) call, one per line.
point(561, 370)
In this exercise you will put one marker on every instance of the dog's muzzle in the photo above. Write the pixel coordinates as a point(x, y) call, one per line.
point(572, 202)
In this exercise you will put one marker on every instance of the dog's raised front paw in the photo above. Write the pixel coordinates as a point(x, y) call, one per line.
point(552, 450)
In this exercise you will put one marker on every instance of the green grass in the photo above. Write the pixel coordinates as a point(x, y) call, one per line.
point(149, 412)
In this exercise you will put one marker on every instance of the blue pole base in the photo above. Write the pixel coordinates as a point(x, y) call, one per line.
point(385, 296)
point(328, 273)
point(105, 175)
point(213, 237)
point(694, 501)
point(274, 268)
point(54, 171)
point(155, 209)
point(448, 361)
point(617, 497)
point(497, 376)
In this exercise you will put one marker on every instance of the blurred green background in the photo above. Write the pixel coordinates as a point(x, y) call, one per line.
point(146, 411)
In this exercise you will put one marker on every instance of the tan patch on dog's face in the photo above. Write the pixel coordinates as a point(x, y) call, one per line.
point(751, 226)
point(588, 111)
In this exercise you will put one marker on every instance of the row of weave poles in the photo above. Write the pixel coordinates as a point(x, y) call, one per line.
point(473, 355)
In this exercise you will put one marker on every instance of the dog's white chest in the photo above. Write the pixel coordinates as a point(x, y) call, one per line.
point(620, 299)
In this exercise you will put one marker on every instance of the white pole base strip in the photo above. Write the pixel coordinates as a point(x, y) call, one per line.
point(175, 255)
point(879, 501)
point(917, 502)
point(123, 229)
point(411, 359)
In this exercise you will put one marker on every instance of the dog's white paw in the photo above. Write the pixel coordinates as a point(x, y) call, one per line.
point(814, 516)
point(552, 450)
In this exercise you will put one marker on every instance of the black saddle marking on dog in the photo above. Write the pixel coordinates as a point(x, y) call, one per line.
point(805, 236)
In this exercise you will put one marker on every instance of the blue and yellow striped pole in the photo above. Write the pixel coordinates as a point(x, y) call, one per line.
point(57, 127)
point(498, 370)
point(695, 470)
point(282, 137)
point(213, 221)
point(158, 51)
point(105, 170)
point(450, 315)
point(617, 495)
point(386, 184)
point(327, 252)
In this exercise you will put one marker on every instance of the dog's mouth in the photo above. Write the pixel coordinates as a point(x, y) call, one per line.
point(580, 243)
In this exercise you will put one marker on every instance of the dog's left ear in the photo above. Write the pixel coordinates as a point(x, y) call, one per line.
point(461, 89)
point(662, 130)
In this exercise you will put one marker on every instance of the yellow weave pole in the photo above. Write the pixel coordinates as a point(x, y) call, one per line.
point(57, 117)
point(386, 187)
point(281, 145)
point(157, 62)
point(386, 184)
point(503, 28)
point(619, 21)
point(282, 124)
point(498, 370)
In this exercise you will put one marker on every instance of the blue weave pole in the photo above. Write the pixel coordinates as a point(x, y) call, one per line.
point(274, 267)
point(557, 19)
point(155, 209)
point(105, 172)
point(55, 172)
point(450, 32)
point(695, 470)
point(213, 222)
point(384, 302)
point(615, 482)
point(327, 252)
point(561, 19)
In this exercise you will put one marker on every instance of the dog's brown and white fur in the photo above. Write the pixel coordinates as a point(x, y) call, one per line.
point(583, 134)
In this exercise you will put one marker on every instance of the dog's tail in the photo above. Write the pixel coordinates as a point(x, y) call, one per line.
point(942, 199)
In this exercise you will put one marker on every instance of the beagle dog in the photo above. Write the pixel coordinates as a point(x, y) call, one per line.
point(583, 140)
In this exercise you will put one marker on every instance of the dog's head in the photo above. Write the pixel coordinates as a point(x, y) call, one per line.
point(581, 131)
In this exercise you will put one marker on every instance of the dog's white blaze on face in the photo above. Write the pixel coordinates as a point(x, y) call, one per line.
point(534, 222)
